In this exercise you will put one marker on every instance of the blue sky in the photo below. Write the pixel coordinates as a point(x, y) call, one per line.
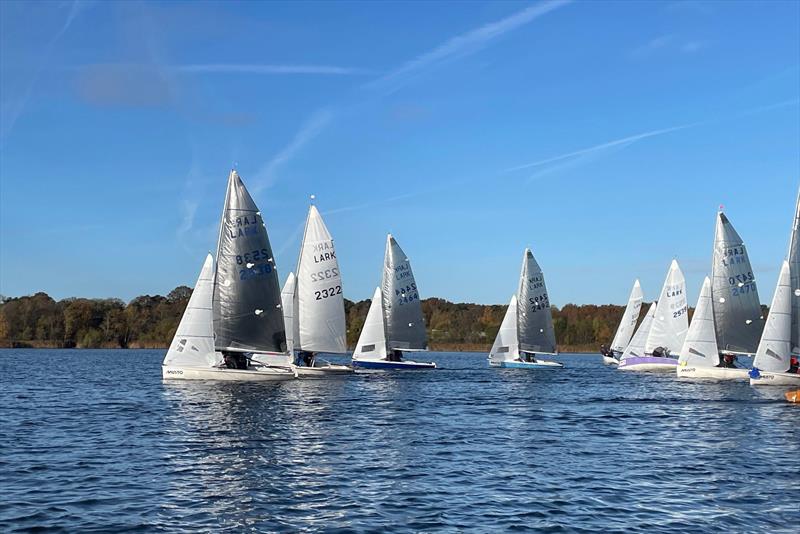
point(604, 135)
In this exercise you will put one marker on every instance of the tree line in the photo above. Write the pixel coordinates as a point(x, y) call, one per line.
point(150, 322)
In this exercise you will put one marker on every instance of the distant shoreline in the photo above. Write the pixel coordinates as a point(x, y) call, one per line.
point(435, 347)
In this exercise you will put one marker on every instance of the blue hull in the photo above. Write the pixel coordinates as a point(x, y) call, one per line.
point(362, 364)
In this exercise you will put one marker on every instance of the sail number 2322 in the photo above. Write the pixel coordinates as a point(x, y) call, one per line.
point(328, 292)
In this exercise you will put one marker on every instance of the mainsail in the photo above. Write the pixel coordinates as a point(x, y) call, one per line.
point(247, 294)
point(193, 344)
point(320, 301)
point(794, 270)
point(671, 318)
point(505, 347)
point(700, 347)
point(402, 309)
point(774, 349)
point(737, 309)
point(628, 323)
point(534, 321)
point(635, 348)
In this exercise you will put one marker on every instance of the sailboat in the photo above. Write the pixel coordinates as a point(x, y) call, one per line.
point(772, 361)
point(699, 357)
point(527, 328)
point(394, 323)
point(313, 303)
point(626, 326)
point(734, 297)
point(234, 317)
point(667, 330)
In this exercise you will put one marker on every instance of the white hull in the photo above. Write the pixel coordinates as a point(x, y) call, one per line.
point(254, 374)
point(776, 379)
point(321, 371)
point(608, 360)
point(714, 373)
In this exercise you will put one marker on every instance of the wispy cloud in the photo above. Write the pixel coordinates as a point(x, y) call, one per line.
point(308, 131)
point(229, 68)
point(462, 45)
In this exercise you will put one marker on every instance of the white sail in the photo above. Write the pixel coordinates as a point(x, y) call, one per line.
point(700, 347)
point(193, 344)
point(506, 347)
point(671, 319)
point(372, 341)
point(794, 271)
point(287, 304)
point(320, 300)
point(774, 349)
point(628, 323)
point(635, 348)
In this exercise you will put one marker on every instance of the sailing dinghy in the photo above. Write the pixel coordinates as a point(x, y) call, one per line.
point(772, 361)
point(626, 326)
point(699, 357)
point(738, 320)
point(394, 323)
point(313, 304)
point(239, 309)
point(667, 330)
point(527, 328)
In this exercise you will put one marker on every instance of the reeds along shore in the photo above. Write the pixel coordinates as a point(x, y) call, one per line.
point(150, 322)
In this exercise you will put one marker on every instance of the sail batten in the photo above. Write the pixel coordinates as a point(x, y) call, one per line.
point(319, 296)
point(535, 331)
point(402, 308)
point(737, 308)
point(627, 325)
point(247, 295)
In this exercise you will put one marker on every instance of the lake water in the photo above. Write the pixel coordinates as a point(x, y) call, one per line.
point(96, 441)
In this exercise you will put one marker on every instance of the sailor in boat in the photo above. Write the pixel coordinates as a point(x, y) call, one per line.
point(527, 357)
point(606, 352)
point(306, 358)
point(728, 361)
point(395, 356)
point(660, 352)
point(794, 365)
point(235, 360)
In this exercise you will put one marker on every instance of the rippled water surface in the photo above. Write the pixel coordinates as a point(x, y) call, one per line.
point(95, 440)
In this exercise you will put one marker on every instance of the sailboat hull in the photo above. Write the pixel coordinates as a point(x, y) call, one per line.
point(608, 360)
point(765, 378)
point(714, 373)
point(647, 364)
point(323, 371)
point(387, 365)
point(539, 364)
point(255, 374)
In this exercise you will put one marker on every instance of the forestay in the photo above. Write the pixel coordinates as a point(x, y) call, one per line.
point(320, 301)
point(505, 347)
point(247, 294)
point(372, 341)
point(635, 348)
point(628, 323)
point(193, 344)
point(287, 303)
point(534, 321)
point(737, 309)
point(794, 270)
point(700, 347)
point(671, 319)
point(774, 350)
point(402, 309)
